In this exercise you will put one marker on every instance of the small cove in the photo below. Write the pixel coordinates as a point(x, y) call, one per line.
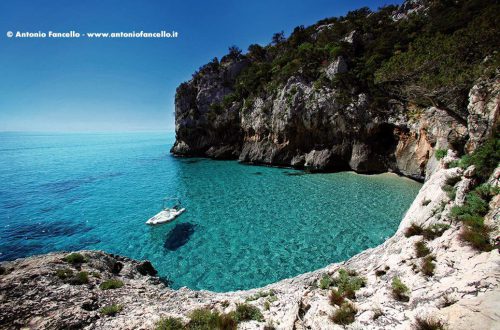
point(245, 226)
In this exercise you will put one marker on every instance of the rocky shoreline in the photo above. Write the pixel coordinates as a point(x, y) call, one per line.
point(462, 290)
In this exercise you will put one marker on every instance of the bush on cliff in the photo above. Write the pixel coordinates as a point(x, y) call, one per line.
point(111, 284)
point(345, 314)
point(75, 258)
point(111, 310)
point(79, 278)
point(325, 282)
point(348, 283)
point(399, 290)
point(428, 323)
point(247, 312)
point(475, 233)
point(169, 323)
point(485, 158)
point(421, 249)
point(428, 266)
point(204, 318)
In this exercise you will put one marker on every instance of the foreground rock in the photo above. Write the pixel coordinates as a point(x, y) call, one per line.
point(463, 290)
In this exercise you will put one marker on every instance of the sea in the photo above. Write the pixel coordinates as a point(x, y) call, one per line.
point(244, 226)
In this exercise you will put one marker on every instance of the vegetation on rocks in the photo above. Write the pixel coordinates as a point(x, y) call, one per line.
point(439, 153)
point(429, 233)
point(472, 212)
point(336, 298)
point(261, 294)
point(399, 290)
point(421, 249)
point(428, 323)
point(325, 282)
point(111, 310)
point(485, 158)
point(75, 258)
point(428, 265)
point(345, 314)
point(423, 59)
point(204, 318)
point(111, 284)
point(68, 276)
point(247, 312)
point(169, 323)
point(79, 278)
point(348, 283)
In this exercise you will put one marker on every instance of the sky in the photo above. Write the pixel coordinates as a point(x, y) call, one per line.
point(84, 84)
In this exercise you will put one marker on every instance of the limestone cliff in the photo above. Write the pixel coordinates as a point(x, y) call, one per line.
point(321, 121)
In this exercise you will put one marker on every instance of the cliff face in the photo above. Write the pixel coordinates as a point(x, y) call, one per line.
point(203, 128)
point(325, 124)
point(306, 127)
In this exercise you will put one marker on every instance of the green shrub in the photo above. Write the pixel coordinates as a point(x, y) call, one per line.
point(64, 273)
point(169, 323)
point(451, 192)
point(421, 249)
point(345, 314)
point(111, 310)
point(435, 230)
point(75, 258)
point(336, 299)
point(440, 153)
point(325, 282)
point(204, 318)
point(414, 230)
point(428, 266)
point(428, 324)
point(79, 278)
point(399, 290)
point(477, 238)
point(247, 312)
point(227, 322)
point(261, 294)
point(111, 284)
point(68, 276)
point(348, 283)
point(485, 158)
point(471, 214)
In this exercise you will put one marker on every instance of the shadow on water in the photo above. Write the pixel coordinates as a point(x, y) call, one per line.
point(178, 236)
point(191, 161)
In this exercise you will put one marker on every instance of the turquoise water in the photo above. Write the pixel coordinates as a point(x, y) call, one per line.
point(245, 226)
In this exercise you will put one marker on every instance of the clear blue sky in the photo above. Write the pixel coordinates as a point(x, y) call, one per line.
point(127, 84)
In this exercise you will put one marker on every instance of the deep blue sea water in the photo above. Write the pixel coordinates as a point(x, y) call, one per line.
point(245, 226)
